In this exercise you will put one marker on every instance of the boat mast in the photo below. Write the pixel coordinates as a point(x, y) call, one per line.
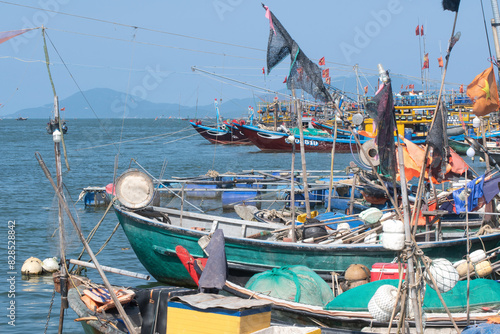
point(57, 136)
point(495, 24)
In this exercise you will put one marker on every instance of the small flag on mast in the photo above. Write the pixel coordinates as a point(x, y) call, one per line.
point(263, 70)
point(426, 61)
point(422, 30)
point(326, 73)
point(440, 61)
point(322, 61)
point(417, 30)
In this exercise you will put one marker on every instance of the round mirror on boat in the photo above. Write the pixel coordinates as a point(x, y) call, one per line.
point(134, 189)
point(357, 119)
point(371, 150)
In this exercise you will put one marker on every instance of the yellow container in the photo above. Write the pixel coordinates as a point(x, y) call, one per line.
point(184, 318)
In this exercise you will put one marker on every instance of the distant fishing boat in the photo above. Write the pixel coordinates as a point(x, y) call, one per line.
point(268, 140)
point(22, 119)
point(225, 134)
point(222, 132)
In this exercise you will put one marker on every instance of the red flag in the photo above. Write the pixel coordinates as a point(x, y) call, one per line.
point(402, 86)
point(440, 61)
point(328, 80)
point(366, 89)
point(64, 108)
point(284, 81)
point(461, 89)
point(422, 30)
point(326, 73)
point(412, 86)
point(6, 35)
point(263, 70)
point(322, 61)
point(417, 31)
point(426, 61)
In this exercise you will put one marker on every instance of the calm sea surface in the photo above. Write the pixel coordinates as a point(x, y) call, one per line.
point(92, 145)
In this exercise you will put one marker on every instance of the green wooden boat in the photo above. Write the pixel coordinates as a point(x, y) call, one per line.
point(460, 147)
point(154, 233)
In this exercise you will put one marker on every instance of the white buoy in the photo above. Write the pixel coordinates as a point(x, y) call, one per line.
point(394, 235)
point(371, 216)
point(444, 273)
point(371, 238)
point(471, 152)
point(477, 256)
point(50, 264)
point(383, 302)
point(32, 266)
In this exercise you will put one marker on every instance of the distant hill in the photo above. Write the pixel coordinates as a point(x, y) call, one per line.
point(108, 103)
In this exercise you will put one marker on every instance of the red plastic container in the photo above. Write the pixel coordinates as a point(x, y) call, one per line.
point(385, 271)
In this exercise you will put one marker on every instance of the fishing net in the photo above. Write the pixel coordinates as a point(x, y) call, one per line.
point(294, 283)
point(311, 132)
point(483, 292)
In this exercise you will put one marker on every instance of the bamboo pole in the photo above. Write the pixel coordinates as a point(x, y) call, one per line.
point(64, 274)
point(303, 157)
point(62, 201)
point(292, 192)
point(409, 251)
point(110, 269)
point(330, 188)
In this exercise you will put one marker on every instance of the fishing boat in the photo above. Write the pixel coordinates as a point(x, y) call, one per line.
point(267, 140)
point(154, 233)
point(22, 119)
point(225, 134)
point(222, 132)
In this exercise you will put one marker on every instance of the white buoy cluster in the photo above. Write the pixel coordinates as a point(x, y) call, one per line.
point(34, 266)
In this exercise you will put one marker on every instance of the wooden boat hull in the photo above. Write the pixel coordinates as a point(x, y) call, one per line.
point(154, 243)
point(230, 135)
point(276, 141)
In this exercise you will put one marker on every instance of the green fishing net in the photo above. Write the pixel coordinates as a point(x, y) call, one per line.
point(294, 283)
point(483, 292)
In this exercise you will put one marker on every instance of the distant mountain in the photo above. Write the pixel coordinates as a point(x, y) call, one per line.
point(108, 103)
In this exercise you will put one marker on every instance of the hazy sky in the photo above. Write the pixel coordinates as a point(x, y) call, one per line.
point(229, 37)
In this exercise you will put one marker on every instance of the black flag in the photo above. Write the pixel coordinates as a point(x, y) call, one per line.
point(451, 5)
point(304, 74)
point(438, 140)
point(381, 109)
